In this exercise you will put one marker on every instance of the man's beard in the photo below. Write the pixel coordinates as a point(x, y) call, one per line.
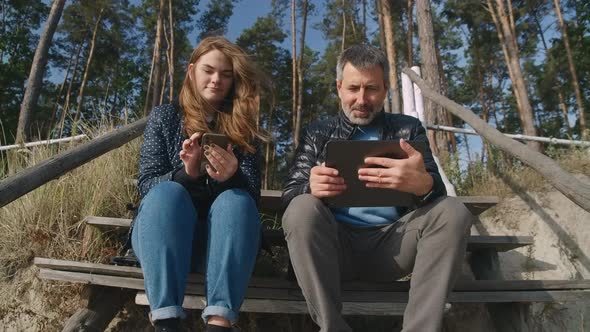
point(361, 121)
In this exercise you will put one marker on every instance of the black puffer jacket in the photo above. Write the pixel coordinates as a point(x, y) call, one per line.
point(312, 149)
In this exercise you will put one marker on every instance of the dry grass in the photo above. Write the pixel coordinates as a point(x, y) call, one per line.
point(48, 221)
point(483, 180)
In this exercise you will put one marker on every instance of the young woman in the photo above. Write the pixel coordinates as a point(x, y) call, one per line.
point(201, 219)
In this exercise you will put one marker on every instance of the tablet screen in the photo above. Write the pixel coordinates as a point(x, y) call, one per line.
point(348, 156)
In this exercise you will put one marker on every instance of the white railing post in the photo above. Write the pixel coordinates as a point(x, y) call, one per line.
point(408, 96)
point(414, 106)
point(418, 100)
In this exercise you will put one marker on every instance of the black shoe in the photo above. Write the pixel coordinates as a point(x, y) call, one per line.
point(217, 328)
point(167, 325)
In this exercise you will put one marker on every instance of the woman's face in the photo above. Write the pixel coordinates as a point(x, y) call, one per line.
point(213, 76)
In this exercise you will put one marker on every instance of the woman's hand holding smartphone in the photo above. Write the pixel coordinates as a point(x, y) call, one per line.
point(218, 159)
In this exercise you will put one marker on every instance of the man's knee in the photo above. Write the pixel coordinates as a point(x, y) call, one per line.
point(303, 213)
point(456, 216)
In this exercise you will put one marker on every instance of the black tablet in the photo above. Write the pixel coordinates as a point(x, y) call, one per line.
point(348, 156)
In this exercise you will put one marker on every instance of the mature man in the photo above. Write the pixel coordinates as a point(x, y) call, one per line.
point(329, 245)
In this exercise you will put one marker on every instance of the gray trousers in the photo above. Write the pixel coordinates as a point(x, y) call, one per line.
point(428, 242)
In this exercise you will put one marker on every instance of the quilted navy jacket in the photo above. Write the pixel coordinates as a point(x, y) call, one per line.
point(312, 150)
point(160, 161)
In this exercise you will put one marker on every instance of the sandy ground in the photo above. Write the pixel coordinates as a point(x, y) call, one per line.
point(561, 250)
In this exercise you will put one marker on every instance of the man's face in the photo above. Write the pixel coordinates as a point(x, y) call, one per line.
point(362, 93)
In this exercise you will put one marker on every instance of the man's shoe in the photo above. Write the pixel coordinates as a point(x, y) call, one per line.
point(167, 325)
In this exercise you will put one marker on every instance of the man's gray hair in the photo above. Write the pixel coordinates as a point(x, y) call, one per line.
point(363, 57)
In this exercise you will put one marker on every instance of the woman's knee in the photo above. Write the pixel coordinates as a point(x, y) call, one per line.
point(234, 198)
point(167, 193)
point(237, 209)
point(167, 203)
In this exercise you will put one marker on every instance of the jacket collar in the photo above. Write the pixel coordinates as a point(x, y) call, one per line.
point(348, 127)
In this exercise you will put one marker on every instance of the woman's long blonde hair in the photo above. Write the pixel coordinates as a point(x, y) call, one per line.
point(237, 116)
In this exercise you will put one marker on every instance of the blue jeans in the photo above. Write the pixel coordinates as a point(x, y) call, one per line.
point(167, 242)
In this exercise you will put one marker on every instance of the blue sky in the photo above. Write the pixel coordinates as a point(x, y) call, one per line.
point(247, 11)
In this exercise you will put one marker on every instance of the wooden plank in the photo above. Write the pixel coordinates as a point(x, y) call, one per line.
point(291, 307)
point(95, 270)
point(104, 280)
point(382, 308)
point(107, 222)
point(274, 300)
point(500, 243)
point(91, 268)
point(275, 237)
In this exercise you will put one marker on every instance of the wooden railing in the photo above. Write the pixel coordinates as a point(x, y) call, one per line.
point(567, 184)
point(33, 177)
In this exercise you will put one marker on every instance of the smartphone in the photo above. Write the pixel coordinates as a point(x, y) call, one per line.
point(210, 138)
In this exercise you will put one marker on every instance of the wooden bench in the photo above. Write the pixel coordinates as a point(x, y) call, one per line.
point(110, 286)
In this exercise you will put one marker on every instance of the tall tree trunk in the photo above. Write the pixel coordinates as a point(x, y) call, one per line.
point(558, 85)
point(575, 83)
point(300, 74)
point(273, 162)
point(157, 51)
point(410, 34)
point(147, 105)
point(343, 45)
point(171, 50)
point(364, 20)
point(434, 113)
point(86, 70)
point(386, 104)
point(444, 88)
point(507, 34)
point(294, 68)
point(163, 90)
point(37, 71)
point(66, 107)
point(63, 86)
point(482, 96)
point(269, 143)
point(391, 55)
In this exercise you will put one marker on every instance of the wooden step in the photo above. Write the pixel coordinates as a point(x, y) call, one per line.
point(135, 273)
point(275, 237)
point(388, 308)
point(270, 201)
point(279, 295)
